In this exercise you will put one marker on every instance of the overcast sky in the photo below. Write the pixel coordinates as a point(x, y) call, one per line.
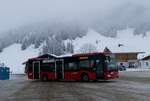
point(14, 13)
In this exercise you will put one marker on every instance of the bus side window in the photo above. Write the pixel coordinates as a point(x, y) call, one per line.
point(84, 64)
point(92, 63)
point(70, 66)
point(48, 67)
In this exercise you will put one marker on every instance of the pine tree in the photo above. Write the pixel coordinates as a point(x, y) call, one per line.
point(87, 48)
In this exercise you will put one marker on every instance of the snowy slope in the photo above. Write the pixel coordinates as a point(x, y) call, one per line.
point(13, 56)
point(131, 43)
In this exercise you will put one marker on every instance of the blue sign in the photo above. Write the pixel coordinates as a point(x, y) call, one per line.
point(4, 73)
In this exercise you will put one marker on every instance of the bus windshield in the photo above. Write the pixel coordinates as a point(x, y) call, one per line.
point(111, 63)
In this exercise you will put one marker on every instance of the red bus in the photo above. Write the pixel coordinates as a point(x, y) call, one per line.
point(84, 67)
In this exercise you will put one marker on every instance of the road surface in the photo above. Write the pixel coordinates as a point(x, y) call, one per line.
point(131, 86)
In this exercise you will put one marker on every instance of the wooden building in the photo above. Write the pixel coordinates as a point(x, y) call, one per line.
point(127, 59)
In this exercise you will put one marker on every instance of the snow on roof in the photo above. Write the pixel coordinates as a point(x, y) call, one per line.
point(53, 55)
point(146, 58)
point(129, 52)
point(65, 55)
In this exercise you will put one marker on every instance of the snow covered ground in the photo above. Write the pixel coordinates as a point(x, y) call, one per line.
point(130, 86)
point(13, 56)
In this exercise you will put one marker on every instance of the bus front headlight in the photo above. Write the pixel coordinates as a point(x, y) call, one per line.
point(108, 75)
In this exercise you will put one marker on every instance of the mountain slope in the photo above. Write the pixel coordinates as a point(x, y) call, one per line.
point(13, 56)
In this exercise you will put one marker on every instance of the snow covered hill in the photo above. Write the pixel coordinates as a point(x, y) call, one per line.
point(13, 56)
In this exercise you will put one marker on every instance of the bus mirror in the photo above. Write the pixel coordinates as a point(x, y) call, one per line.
point(94, 69)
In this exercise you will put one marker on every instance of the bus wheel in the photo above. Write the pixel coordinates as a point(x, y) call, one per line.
point(84, 77)
point(44, 78)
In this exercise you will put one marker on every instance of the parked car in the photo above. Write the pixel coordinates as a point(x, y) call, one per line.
point(122, 68)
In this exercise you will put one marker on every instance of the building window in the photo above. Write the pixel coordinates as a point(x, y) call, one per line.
point(131, 64)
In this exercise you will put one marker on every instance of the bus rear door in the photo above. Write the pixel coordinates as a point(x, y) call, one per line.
point(59, 68)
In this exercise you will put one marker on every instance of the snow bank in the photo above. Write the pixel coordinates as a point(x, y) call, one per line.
point(137, 69)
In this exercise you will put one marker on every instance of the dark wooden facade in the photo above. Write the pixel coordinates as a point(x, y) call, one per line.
point(125, 57)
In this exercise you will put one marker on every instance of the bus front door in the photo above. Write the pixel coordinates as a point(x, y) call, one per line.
point(59, 69)
point(36, 70)
point(99, 69)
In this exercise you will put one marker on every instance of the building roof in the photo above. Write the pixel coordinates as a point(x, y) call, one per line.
point(129, 52)
point(146, 58)
point(65, 55)
point(47, 56)
point(88, 54)
point(44, 56)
